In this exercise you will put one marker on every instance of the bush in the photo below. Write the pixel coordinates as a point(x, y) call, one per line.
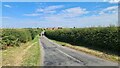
point(13, 37)
point(105, 38)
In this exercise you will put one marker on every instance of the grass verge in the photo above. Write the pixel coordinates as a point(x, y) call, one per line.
point(32, 57)
point(11, 55)
point(17, 56)
point(99, 54)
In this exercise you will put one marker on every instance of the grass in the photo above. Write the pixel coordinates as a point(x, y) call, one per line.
point(0, 58)
point(16, 56)
point(11, 54)
point(99, 54)
point(32, 57)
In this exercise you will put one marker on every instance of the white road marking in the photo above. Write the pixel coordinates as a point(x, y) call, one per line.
point(79, 60)
point(63, 52)
point(70, 56)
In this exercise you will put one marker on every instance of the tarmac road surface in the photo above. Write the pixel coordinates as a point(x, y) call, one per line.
point(57, 55)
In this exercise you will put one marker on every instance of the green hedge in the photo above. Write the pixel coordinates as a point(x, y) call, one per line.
point(99, 37)
point(13, 37)
point(34, 31)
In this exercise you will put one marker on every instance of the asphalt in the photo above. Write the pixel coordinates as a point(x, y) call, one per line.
point(57, 55)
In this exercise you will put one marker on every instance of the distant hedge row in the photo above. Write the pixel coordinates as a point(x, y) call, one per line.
point(13, 37)
point(100, 37)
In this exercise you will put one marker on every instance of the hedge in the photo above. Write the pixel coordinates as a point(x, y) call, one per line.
point(14, 37)
point(105, 38)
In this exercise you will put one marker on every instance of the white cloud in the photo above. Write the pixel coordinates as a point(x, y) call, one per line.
point(72, 17)
point(112, 1)
point(101, 20)
point(112, 9)
point(49, 9)
point(73, 12)
point(53, 21)
point(33, 14)
point(8, 6)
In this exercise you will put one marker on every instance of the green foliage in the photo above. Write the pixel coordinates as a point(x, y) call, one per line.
point(32, 57)
point(105, 38)
point(34, 32)
point(13, 37)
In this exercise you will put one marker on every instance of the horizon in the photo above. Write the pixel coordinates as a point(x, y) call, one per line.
point(58, 14)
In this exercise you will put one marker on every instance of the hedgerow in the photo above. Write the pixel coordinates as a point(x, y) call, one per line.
point(105, 38)
point(14, 37)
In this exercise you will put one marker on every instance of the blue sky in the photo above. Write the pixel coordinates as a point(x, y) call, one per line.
point(58, 14)
point(60, 0)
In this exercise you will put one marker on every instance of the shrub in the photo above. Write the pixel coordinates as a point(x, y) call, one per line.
point(13, 37)
point(105, 38)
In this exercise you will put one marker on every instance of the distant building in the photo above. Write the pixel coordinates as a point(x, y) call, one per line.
point(54, 28)
point(59, 27)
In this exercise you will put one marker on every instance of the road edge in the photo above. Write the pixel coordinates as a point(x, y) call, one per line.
point(42, 53)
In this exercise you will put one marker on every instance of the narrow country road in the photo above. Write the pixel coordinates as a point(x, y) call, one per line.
point(56, 55)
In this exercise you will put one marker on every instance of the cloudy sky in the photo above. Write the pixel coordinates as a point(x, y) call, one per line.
point(58, 14)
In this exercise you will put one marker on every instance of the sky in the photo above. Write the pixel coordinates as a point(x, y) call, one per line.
point(60, 1)
point(58, 14)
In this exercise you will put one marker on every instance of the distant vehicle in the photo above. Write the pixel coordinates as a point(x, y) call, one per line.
point(42, 33)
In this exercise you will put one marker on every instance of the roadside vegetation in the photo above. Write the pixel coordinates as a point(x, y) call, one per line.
point(103, 39)
point(27, 54)
point(20, 47)
point(32, 57)
point(14, 37)
point(94, 52)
